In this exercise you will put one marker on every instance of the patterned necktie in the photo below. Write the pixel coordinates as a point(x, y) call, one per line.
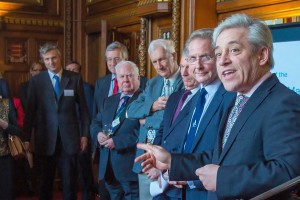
point(195, 121)
point(167, 88)
point(236, 110)
point(180, 104)
point(116, 87)
point(56, 86)
point(122, 106)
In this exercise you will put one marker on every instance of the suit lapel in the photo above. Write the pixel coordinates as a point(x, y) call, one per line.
point(157, 88)
point(122, 115)
point(107, 84)
point(63, 83)
point(178, 83)
point(48, 83)
point(255, 100)
point(181, 115)
point(211, 110)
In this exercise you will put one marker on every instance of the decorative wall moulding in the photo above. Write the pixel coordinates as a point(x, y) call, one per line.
point(36, 2)
point(33, 22)
point(154, 8)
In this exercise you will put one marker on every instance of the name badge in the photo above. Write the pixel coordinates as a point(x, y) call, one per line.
point(69, 93)
point(151, 133)
point(116, 122)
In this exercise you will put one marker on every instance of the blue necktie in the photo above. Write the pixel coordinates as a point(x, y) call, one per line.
point(195, 121)
point(56, 86)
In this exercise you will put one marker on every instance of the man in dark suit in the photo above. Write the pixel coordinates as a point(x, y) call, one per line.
point(176, 119)
point(84, 157)
point(150, 105)
point(53, 98)
point(107, 86)
point(202, 67)
point(258, 141)
point(117, 151)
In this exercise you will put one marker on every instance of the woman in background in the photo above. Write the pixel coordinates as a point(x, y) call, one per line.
point(8, 125)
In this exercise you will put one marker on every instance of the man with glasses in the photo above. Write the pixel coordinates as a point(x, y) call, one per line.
point(108, 85)
point(258, 140)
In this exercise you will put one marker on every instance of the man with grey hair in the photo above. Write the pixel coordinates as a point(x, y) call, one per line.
point(211, 101)
point(258, 140)
point(149, 106)
point(117, 150)
point(108, 85)
point(53, 98)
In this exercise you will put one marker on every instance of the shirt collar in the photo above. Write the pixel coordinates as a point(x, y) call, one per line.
point(51, 74)
point(122, 95)
point(213, 87)
point(173, 78)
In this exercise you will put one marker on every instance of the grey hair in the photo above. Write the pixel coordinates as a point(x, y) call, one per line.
point(185, 52)
point(132, 64)
point(167, 45)
point(204, 33)
point(48, 47)
point(118, 45)
point(259, 34)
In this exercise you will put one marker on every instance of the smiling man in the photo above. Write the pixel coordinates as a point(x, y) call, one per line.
point(258, 140)
point(53, 98)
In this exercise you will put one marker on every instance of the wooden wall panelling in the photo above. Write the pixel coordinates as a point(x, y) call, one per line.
point(33, 22)
point(130, 36)
point(268, 9)
point(93, 54)
point(107, 21)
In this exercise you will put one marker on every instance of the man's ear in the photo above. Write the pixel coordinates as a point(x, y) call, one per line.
point(174, 54)
point(263, 56)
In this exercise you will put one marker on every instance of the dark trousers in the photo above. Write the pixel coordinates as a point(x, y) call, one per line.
point(85, 174)
point(7, 177)
point(128, 190)
point(67, 168)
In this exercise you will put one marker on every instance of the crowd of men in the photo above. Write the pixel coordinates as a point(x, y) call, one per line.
point(219, 125)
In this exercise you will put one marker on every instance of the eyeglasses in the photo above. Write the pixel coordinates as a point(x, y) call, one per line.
point(116, 59)
point(204, 59)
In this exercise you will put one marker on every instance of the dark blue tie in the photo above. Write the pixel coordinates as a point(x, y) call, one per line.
point(195, 121)
point(56, 86)
point(123, 105)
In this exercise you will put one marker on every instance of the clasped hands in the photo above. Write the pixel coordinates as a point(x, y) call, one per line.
point(105, 141)
point(159, 104)
point(159, 158)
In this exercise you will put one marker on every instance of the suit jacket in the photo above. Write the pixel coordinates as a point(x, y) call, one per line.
point(102, 89)
point(89, 96)
point(141, 108)
point(206, 135)
point(50, 117)
point(171, 135)
point(23, 94)
point(262, 150)
point(124, 137)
